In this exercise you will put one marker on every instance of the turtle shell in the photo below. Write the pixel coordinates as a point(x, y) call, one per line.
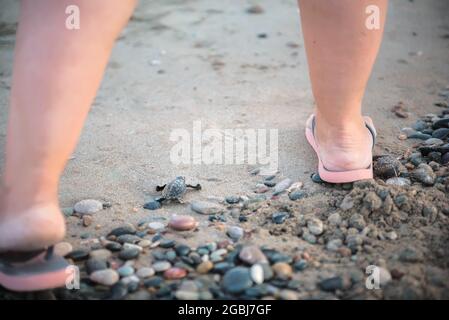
point(175, 189)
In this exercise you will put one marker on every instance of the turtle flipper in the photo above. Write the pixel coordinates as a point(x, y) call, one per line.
point(160, 188)
point(196, 186)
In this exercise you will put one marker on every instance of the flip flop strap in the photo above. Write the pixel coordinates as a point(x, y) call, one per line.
point(13, 257)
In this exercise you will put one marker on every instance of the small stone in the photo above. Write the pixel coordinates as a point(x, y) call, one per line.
point(128, 238)
point(441, 123)
point(68, 211)
point(279, 217)
point(387, 167)
point(125, 271)
point(392, 235)
point(156, 226)
point(420, 136)
point(282, 270)
point(282, 185)
point(87, 220)
point(411, 255)
point(113, 246)
point(252, 255)
point(88, 206)
point(347, 203)
point(235, 233)
point(310, 238)
point(161, 266)
point(315, 226)
point(433, 142)
point(152, 205)
point(297, 195)
point(232, 199)
point(101, 254)
point(218, 255)
point(153, 282)
point(145, 243)
point(441, 133)
point(77, 255)
point(261, 188)
point(107, 277)
point(334, 283)
point(237, 280)
point(334, 245)
point(424, 174)
point(288, 295)
point(204, 267)
point(145, 272)
point(372, 201)
point(62, 249)
point(255, 9)
point(398, 181)
point(316, 178)
point(300, 265)
point(334, 219)
point(167, 243)
point(357, 221)
point(175, 273)
point(188, 290)
point(125, 229)
point(384, 276)
point(256, 272)
point(204, 207)
point(420, 125)
point(182, 223)
point(93, 265)
point(129, 254)
point(182, 250)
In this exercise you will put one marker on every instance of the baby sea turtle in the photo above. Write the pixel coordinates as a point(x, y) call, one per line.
point(175, 189)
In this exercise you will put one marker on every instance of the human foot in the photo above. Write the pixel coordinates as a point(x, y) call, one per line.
point(32, 228)
point(344, 147)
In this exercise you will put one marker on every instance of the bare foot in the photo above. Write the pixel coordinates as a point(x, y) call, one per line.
point(31, 229)
point(346, 147)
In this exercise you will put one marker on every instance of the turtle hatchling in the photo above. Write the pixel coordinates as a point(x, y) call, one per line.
point(175, 189)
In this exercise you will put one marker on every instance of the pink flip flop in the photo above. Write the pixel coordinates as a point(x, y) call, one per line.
point(339, 176)
point(32, 271)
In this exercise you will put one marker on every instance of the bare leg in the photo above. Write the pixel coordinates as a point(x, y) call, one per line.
point(56, 75)
point(341, 52)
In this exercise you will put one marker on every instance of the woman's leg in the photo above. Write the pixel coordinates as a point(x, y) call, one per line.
point(341, 52)
point(56, 74)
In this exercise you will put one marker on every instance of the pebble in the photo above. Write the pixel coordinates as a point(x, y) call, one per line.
point(152, 205)
point(107, 277)
point(188, 290)
point(79, 254)
point(152, 282)
point(424, 174)
point(145, 272)
point(300, 265)
point(288, 295)
point(255, 9)
point(128, 238)
point(441, 123)
point(310, 238)
point(261, 188)
point(252, 255)
point(125, 271)
point(334, 245)
point(102, 254)
point(129, 254)
point(334, 219)
point(347, 203)
point(398, 181)
point(441, 133)
point(357, 221)
point(237, 280)
point(93, 265)
point(420, 136)
point(282, 270)
point(161, 266)
point(156, 226)
point(232, 199)
point(316, 178)
point(182, 223)
point(175, 273)
point(411, 255)
point(167, 243)
point(204, 267)
point(205, 207)
point(68, 211)
point(433, 142)
point(235, 233)
point(145, 243)
point(62, 249)
point(87, 220)
point(279, 217)
point(315, 226)
point(281, 186)
point(333, 284)
point(113, 246)
point(182, 249)
point(386, 167)
point(384, 276)
point(218, 255)
point(297, 195)
point(88, 206)
point(392, 235)
point(256, 272)
point(125, 229)
point(420, 125)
